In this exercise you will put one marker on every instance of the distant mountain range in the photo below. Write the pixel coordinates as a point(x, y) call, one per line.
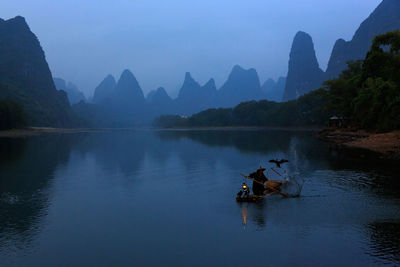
point(125, 98)
point(304, 74)
point(25, 77)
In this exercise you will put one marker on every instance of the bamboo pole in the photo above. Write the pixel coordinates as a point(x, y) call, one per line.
point(268, 187)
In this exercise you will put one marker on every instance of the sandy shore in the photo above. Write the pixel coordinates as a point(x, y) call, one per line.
point(387, 144)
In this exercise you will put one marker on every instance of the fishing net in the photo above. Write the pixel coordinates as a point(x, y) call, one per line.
point(293, 184)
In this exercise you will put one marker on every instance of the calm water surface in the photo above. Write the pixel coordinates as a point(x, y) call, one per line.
point(167, 198)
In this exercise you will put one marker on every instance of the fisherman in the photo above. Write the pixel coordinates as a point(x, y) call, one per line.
point(245, 192)
point(258, 181)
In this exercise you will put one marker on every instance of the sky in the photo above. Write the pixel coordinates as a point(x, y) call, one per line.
point(160, 40)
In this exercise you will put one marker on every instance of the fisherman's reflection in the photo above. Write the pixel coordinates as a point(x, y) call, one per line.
point(253, 212)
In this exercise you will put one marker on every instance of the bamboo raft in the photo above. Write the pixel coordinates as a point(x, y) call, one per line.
point(272, 188)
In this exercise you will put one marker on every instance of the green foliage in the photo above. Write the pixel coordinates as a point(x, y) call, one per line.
point(212, 118)
point(343, 90)
point(383, 60)
point(308, 110)
point(168, 121)
point(368, 92)
point(376, 105)
point(12, 115)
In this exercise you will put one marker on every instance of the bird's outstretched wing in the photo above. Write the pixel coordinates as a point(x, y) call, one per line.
point(278, 162)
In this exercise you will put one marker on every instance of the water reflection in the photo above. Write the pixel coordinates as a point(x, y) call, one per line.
point(26, 170)
point(175, 195)
point(119, 151)
point(244, 140)
point(244, 211)
point(255, 213)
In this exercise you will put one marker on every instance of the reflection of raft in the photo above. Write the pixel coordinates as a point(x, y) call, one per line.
point(272, 188)
point(250, 198)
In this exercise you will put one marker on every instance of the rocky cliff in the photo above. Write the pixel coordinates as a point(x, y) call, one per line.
point(385, 18)
point(304, 74)
point(25, 77)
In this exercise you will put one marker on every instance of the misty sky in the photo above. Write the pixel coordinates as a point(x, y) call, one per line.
point(159, 40)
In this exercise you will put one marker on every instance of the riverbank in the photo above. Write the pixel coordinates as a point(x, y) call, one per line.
point(232, 128)
point(31, 131)
point(386, 144)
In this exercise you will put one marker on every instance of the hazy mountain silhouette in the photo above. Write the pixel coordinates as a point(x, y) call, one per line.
point(26, 78)
point(73, 93)
point(120, 104)
point(127, 102)
point(272, 90)
point(160, 102)
point(209, 91)
point(104, 89)
point(242, 85)
point(304, 74)
point(385, 18)
point(128, 93)
point(193, 97)
point(187, 97)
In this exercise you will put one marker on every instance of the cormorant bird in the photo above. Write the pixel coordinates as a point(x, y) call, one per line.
point(278, 162)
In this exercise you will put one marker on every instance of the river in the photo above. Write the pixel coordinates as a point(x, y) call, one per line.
point(167, 197)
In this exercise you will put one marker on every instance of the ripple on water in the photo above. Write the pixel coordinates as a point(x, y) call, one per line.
point(383, 241)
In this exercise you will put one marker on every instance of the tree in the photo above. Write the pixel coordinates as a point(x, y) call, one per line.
point(12, 115)
point(368, 92)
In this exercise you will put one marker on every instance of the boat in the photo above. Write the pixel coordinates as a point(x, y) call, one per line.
point(272, 188)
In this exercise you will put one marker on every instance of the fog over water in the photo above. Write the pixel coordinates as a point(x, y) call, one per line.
point(161, 40)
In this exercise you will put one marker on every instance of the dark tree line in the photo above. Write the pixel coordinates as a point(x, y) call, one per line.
point(12, 115)
point(308, 110)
